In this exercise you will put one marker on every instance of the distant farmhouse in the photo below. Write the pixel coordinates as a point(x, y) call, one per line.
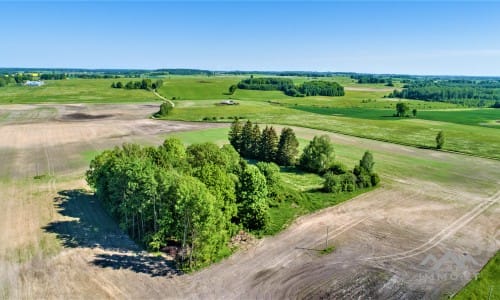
point(34, 83)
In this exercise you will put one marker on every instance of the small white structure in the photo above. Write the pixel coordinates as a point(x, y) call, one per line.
point(34, 83)
point(228, 102)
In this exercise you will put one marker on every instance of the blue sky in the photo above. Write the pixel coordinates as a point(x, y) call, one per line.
point(412, 37)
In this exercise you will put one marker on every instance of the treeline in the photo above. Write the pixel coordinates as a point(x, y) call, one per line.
point(145, 84)
point(196, 197)
point(53, 76)
point(250, 142)
point(318, 156)
point(467, 92)
point(321, 88)
point(308, 88)
point(363, 79)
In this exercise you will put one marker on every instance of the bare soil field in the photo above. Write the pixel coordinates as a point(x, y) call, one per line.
point(423, 234)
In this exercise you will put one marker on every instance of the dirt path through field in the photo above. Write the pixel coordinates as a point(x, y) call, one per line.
point(423, 234)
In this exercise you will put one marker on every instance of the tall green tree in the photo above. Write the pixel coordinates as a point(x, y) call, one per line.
point(402, 109)
point(252, 199)
point(287, 148)
point(246, 139)
point(440, 140)
point(318, 156)
point(235, 135)
point(367, 162)
point(268, 145)
point(197, 221)
point(255, 141)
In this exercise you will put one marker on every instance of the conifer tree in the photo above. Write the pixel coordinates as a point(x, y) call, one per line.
point(255, 141)
point(268, 145)
point(287, 148)
point(235, 135)
point(246, 139)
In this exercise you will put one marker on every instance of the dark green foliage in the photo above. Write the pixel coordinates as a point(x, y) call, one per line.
point(252, 199)
point(440, 140)
point(144, 84)
point(266, 84)
point(362, 79)
point(271, 172)
point(402, 109)
point(318, 156)
point(246, 139)
point(308, 88)
point(455, 91)
point(338, 168)
point(268, 145)
point(232, 89)
point(363, 177)
point(375, 179)
point(496, 104)
point(255, 142)
point(414, 112)
point(364, 174)
point(332, 183)
point(321, 88)
point(165, 108)
point(287, 148)
point(157, 84)
point(235, 135)
point(366, 162)
point(339, 183)
point(197, 196)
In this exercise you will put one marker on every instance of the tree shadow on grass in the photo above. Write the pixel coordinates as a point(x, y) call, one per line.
point(86, 224)
point(154, 266)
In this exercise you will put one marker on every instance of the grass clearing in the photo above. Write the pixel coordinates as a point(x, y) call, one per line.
point(74, 91)
point(486, 285)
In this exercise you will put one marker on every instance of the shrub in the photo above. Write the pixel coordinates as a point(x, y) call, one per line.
point(332, 183)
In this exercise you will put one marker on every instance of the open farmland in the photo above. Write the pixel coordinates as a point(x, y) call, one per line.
point(74, 91)
point(57, 242)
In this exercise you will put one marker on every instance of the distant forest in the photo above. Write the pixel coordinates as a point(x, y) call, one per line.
point(361, 79)
point(308, 88)
point(466, 92)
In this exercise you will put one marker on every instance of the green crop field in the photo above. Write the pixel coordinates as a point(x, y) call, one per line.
point(74, 91)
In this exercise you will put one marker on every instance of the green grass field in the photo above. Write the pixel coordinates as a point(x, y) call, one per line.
point(74, 91)
point(486, 285)
point(361, 112)
point(475, 117)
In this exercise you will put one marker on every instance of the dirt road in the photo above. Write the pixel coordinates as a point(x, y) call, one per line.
point(421, 235)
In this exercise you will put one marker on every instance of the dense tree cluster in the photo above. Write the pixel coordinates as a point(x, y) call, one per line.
point(308, 88)
point(467, 92)
point(6, 80)
point(196, 197)
point(145, 84)
point(251, 142)
point(53, 76)
point(321, 88)
point(266, 84)
point(361, 79)
point(362, 176)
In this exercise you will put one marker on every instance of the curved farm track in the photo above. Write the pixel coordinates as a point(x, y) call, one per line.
point(57, 242)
